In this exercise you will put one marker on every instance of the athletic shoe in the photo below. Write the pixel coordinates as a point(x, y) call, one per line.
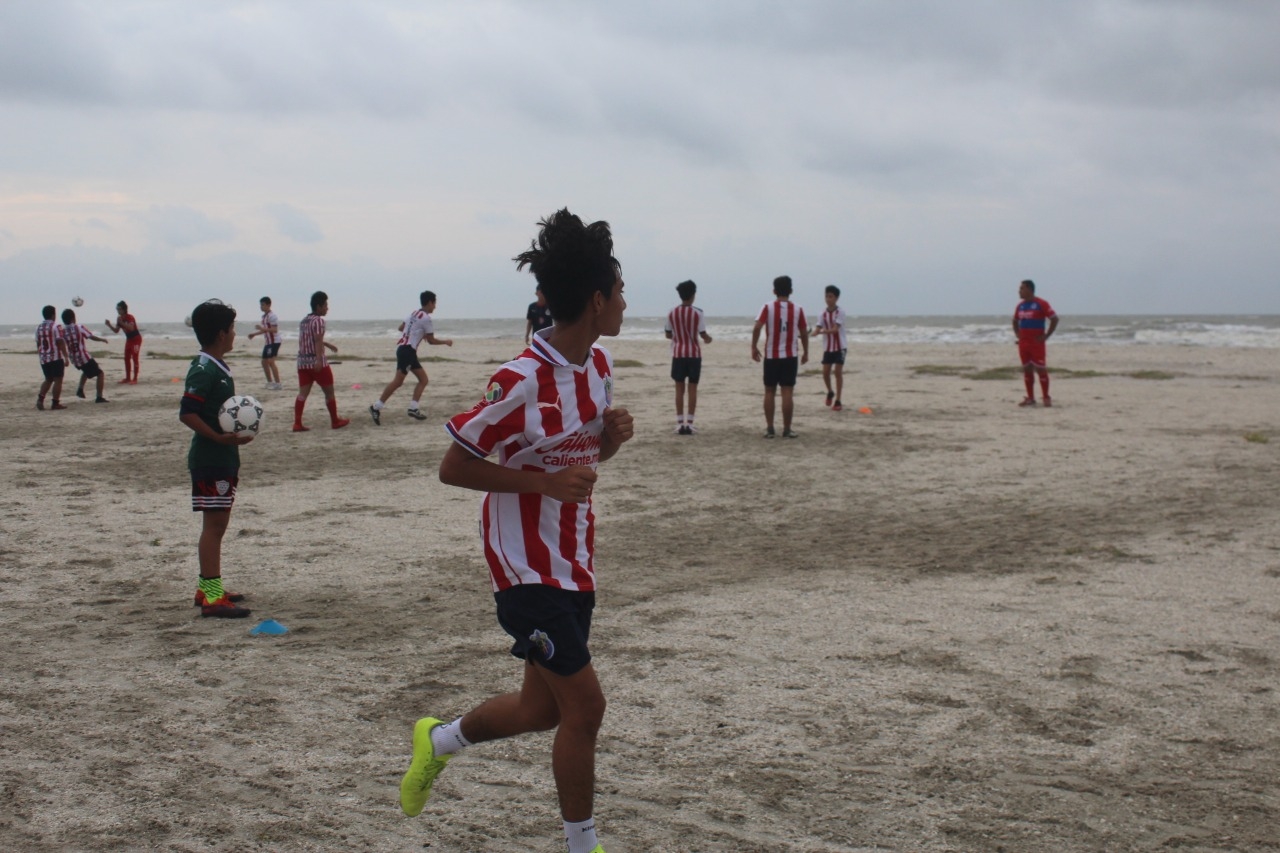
point(80, 393)
point(301, 428)
point(831, 395)
point(415, 787)
point(376, 415)
point(1048, 402)
point(786, 433)
point(277, 387)
point(679, 430)
point(57, 405)
point(1028, 401)
point(599, 848)
point(40, 403)
point(417, 415)
point(340, 423)
point(684, 430)
point(690, 429)
point(200, 597)
point(768, 433)
point(224, 609)
point(837, 406)
point(102, 400)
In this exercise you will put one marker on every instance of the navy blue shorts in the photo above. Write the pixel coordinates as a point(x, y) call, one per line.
point(407, 359)
point(550, 626)
point(90, 369)
point(836, 357)
point(55, 369)
point(781, 371)
point(270, 351)
point(686, 370)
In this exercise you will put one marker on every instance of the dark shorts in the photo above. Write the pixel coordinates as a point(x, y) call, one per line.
point(550, 626)
point(312, 376)
point(407, 359)
point(781, 371)
point(90, 369)
point(834, 357)
point(270, 351)
point(55, 369)
point(686, 370)
point(213, 489)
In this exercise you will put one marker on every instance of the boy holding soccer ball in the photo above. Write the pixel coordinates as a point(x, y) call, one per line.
point(214, 457)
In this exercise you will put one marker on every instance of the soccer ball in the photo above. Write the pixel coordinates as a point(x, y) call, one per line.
point(241, 414)
point(77, 302)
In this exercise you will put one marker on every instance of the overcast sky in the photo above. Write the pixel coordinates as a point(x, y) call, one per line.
point(924, 156)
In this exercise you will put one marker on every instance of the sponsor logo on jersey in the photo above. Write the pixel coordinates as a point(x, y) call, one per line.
point(493, 393)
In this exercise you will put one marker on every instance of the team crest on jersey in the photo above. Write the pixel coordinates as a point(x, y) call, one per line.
point(608, 390)
point(493, 393)
point(543, 644)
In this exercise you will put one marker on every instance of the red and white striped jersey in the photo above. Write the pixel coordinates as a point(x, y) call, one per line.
point(783, 322)
point(835, 337)
point(685, 323)
point(48, 333)
point(271, 320)
point(416, 327)
point(539, 413)
point(310, 346)
point(75, 335)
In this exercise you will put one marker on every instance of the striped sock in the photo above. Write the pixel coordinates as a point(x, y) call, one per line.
point(212, 589)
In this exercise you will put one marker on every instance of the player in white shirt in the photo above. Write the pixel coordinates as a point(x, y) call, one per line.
point(416, 328)
point(835, 346)
point(269, 328)
point(549, 416)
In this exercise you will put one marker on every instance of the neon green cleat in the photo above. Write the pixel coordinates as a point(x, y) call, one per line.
point(415, 787)
point(599, 848)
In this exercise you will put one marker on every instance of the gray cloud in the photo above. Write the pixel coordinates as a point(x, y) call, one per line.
point(183, 227)
point(295, 224)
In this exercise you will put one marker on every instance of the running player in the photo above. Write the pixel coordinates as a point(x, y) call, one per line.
point(836, 345)
point(417, 327)
point(685, 324)
point(75, 334)
point(313, 366)
point(51, 348)
point(214, 456)
point(269, 328)
point(1029, 328)
point(132, 342)
point(783, 323)
point(549, 417)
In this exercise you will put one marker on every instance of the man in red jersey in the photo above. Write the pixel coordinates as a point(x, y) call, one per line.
point(549, 416)
point(685, 324)
point(313, 367)
point(783, 323)
point(1029, 320)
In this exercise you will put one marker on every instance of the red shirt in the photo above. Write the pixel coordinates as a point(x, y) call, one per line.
point(685, 323)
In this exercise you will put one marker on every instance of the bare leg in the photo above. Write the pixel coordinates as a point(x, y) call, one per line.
point(392, 387)
point(210, 547)
point(787, 407)
point(693, 400)
point(679, 401)
point(839, 382)
point(422, 384)
point(768, 406)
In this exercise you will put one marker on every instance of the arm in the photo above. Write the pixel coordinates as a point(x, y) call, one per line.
point(434, 341)
point(113, 327)
point(1015, 324)
point(804, 344)
point(461, 468)
point(667, 332)
point(619, 427)
point(1053, 326)
point(755, 341)
point(94, 337)
point(528, 330)
point(202, 429)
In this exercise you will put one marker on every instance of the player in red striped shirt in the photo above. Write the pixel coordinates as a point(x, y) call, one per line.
point(75, 334)
point(549, 416)
point(685, 324)
point(836, 345)
point(313, 367)
point(52, 352)
point(784, 325)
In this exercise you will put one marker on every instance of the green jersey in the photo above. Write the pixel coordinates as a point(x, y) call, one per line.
point(209, 384)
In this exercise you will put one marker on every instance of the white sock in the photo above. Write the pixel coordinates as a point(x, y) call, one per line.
point(413, 405)
point(581, 836)
point(378, 406)
point(446, 739)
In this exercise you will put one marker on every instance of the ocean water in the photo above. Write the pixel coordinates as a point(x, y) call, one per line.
point(1209, 330)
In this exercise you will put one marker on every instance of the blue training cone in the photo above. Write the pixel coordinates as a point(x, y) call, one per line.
point(268, 626)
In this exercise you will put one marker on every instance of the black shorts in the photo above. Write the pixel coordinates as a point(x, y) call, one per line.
point(834, 357)
point(550, 626)
point(407, 359)
point(213, 489)
point(270, 351)
point(90, 369)
point(781, 371)
point(686, 370)
point(55, 369)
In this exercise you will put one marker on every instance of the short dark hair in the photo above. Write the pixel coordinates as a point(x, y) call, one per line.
point(782, 285)
point(571, 261)
point(831, 288)
point(122, 304)
point(266, 299)
point(426, 296)
point(318, 298)
point(210, 318)
point(1029, 283)
point(68, 316)
point(48, 312)
point(686, 289)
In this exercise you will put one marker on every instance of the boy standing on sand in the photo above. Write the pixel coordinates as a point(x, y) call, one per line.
point(313, 367)
point(416, 327)
point(538, 317)
point(549, 417)
point(269, 328)
point(214, 456)
point(831, 327)
point(685, 324)
point(783, 323)
point(1029, 328)
point(75, 334)
point(51, 348)
point(132, 342)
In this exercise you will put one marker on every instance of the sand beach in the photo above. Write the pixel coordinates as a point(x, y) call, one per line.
point(948, 625)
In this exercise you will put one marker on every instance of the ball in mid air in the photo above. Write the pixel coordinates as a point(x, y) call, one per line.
point(77, 302)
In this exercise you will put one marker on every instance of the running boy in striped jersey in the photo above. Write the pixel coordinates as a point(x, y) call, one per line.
point(836, 345)
point(685, 324)
point(313, 367)
point(549, 416)
point(214, 456)
point(51, 348)
point(783, 323)
point(269, 328)
point(415, 328)
point(75, 334)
